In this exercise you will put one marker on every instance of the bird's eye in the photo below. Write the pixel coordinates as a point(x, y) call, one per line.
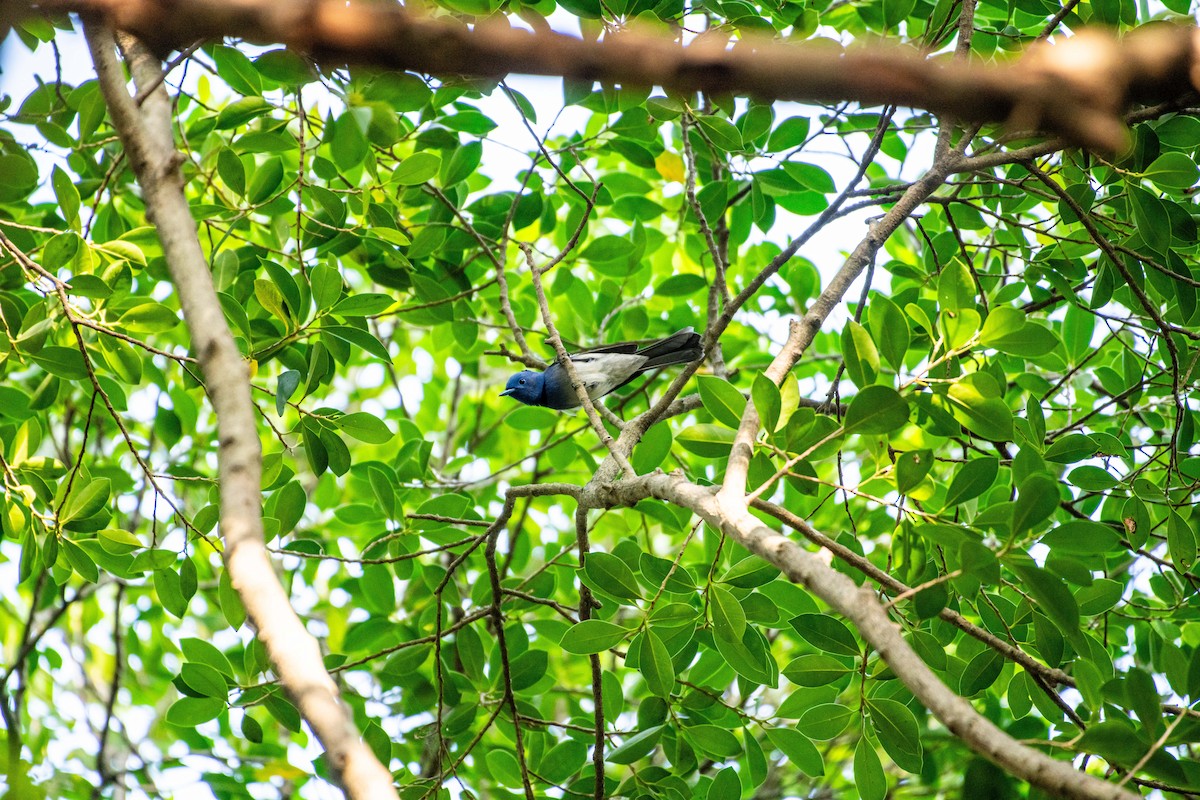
point(522, 381)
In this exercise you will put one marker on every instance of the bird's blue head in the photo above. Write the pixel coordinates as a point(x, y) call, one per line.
point(525, 386)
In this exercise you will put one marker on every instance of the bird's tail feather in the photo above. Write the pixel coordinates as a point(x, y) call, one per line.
point(678, 348)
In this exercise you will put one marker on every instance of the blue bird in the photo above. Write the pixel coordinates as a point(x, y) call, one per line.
point(601, 370)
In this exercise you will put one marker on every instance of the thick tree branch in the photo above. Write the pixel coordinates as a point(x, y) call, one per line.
point(1076, 88)
point(805, 330)
point(897, 588)
point(861, 607)
point(146, 133)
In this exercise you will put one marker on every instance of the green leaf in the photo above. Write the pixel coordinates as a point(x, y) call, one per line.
point(815, 670)
point(983, 415)
point(725, 786)
point(707, 441)
point(959, 327)
point(1078, 325)
point(1070, 448)
point(654, 662)
point(363, 305)
point(1173, 171)
point(285, 387)
point(531, 418)
point(722, 400)
point(721, 132)
point(148, 318)
point(612, 576)
point(503, 765)
point(63, 362)
point(528, 668)
point(751, 657)
point(956, 287)
point(664, 108)
point(1115, 741)
point(1151, 218)
point(562, 761)
point(1052, 596)
point(417, 169)
point(86, 500)
point(188, 712)
point(876, 409)
point(80, 561)
point(1037, 499)
point(980, 672)
point(284, 66)
point(364, 427)
point(1181, 541)
point(204, 680)
point(608, 248)
point(251, 729)
point(592, 636)
point(326, 285)
point(271, 299)
point(636, 747)
point(652, 450)
point(789, 133)
point(67, 195)
point(265, 181)
point(860, 355)
point(1092, 479)
point(896, 11)
point(897, 730)
point(728, 617)
point(810, 176)
point(911, 469)
point(1103, 595)
point(348, 141)
point(825, 721)
point(767, 402)
point(1082, 537)
point(712, 741)
point(462, 164)
point(979, 561)
point(973, 479)
point(1008, 330)
point(799, 750)
point(827, 634)
point(231, 604)
point(680, 285)
point(889, 327)
point(869, 777)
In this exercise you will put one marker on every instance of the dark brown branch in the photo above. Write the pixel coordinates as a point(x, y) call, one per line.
point(1076, 88)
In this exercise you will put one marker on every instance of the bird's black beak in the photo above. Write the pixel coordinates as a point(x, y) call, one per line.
point(507, 392)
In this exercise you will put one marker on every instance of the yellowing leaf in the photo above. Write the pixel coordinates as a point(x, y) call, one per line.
point(670, 166)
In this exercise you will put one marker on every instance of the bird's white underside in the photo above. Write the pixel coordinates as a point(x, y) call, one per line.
point(600, 373)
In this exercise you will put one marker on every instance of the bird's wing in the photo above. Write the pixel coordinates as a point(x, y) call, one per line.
point(617, 347)
point(601, 372)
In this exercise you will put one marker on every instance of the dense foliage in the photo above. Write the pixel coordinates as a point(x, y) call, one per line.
point(1002, 419)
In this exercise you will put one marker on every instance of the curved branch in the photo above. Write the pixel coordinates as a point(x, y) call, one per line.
point(147, 136)
point(861, 607)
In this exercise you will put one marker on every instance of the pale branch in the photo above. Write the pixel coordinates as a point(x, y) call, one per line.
point(564, 359)
point(1076, 88)
point(805, 330)
point(861, 607)
point(147, 136)
point(897, 588)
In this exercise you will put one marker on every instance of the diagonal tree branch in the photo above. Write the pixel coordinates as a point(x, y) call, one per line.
point(146, 133)
point(861, 607)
